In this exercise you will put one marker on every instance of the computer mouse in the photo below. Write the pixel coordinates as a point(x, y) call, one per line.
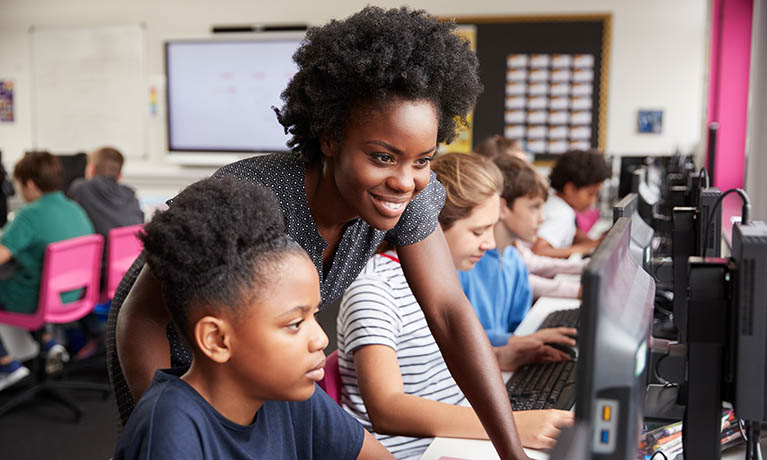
point(571, 351)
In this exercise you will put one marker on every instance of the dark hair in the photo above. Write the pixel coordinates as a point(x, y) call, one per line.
point(107, 161)
point(582, 168)
point(216, 246)
point(497, 145)
point(520, 179)
point(376, 56)
point(469, 180)
point(42, 168)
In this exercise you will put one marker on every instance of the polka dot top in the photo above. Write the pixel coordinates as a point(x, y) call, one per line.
point(284, 174)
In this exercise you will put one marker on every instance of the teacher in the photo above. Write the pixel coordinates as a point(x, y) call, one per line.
point(373, 97)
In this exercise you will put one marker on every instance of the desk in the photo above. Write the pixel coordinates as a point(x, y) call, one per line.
point(473, 449)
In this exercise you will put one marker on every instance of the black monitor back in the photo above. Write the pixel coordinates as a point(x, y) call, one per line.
point(616, 319)
point(74, 168)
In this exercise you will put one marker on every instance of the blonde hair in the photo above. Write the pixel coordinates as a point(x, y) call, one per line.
point(469, 180)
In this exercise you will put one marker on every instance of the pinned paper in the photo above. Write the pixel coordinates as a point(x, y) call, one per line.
point(539, 75)
point(516, 74)
point(560, 117)
point(583, 75)
point(514, 131)
point(516, 102)
point(538, 89)
point(537, 116)
point(558, 132)
point(560, 89)
point(537, 131)
point(557, 146)
point(517, 60)
point(561, 60)
point(580, 132)
point(580, 118)
point(559, 103)
point(515, 116)
point(516, 88)
point(581, 103)
point(540, 60)
point(539, 102)
point(583, 60)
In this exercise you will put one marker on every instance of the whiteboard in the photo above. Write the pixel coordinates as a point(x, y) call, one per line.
point(89, 89)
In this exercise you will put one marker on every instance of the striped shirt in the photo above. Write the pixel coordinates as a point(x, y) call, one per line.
point(379, 308)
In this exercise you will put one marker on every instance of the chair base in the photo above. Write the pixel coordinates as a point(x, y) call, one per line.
point(53, 391)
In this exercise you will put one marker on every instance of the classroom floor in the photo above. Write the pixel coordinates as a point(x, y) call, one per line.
point(44, 430)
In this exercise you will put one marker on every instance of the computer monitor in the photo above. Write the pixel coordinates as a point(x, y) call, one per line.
point(616, 319)
point(641, 233)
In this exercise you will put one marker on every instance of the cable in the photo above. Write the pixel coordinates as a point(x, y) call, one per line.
point(661, 379)
point(656, 453)
point(704, 172)
point(745, 212)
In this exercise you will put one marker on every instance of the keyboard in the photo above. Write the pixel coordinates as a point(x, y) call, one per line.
point(546, 385)
point(562, 318)
point(543, 386)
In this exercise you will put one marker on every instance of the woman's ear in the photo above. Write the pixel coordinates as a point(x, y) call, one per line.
point(213, 337)
point(328, 145)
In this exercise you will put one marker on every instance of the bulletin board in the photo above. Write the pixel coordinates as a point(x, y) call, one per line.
point(89, 88)
point(545, 80)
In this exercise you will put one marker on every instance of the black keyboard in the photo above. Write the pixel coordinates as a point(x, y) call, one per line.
point(543, 386)
point(562, 318)
point(549, 385)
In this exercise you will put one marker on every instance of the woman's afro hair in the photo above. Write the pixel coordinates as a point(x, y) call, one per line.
point(376, 56)
point(210, 247)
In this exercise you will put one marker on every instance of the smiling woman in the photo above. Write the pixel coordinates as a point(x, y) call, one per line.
point(369, 104)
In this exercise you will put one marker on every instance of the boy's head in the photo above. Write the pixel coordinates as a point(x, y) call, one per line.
point(497, 145)
point(241, 292)
point(105, 161)
point(577, 177)
point(472, 186)
point(524, 192)
point(38, 173)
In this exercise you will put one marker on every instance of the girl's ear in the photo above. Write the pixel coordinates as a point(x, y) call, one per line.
point(213, 337)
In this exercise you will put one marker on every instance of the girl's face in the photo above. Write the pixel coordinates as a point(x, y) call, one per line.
point(277, 345)
point(470, 237)
point(383, 161)
point(524, 217)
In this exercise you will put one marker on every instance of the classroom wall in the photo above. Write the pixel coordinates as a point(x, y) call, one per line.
point(657, 60)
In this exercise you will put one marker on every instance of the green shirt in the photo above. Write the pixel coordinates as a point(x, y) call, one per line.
point(46, 220)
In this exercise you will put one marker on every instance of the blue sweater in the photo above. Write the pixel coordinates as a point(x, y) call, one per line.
point(499, 290)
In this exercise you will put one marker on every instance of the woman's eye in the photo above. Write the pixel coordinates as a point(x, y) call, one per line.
point(383, 158)
point(423, 161)
point(295, 326)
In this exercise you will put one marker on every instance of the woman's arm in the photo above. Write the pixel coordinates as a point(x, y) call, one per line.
point(142, 343)
point(464, 345)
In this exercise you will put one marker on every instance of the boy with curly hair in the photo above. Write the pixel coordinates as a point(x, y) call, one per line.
point(244, 296)
point(575, 180)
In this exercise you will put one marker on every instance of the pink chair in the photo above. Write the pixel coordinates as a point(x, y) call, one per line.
point(123, 246)
point(331, 383)
point(67, 266)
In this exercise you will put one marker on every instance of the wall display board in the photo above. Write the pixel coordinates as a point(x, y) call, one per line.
point(89, 88)
point(545, 81)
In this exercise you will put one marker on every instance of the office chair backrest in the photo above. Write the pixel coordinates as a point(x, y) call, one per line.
point(123, 246)
point(332, 381)
point(67, 266)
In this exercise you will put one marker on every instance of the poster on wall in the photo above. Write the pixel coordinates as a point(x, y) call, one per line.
point(550, 95)
point(6, 101)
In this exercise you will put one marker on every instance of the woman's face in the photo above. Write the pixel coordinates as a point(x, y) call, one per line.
point(383, 161)
point(470, 237)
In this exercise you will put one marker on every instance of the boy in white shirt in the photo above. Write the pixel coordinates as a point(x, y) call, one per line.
point(575, 181)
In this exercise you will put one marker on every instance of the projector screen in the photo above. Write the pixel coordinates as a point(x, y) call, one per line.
point(221, 92)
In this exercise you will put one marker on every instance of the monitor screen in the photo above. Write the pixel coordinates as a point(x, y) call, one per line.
point(221, 93)
point(616, 320)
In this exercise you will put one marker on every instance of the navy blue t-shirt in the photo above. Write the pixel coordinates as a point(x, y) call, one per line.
point(172, 421)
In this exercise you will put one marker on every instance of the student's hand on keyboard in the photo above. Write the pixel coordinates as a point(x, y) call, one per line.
point(563, 335)
point(539, 429)
point(521, 350)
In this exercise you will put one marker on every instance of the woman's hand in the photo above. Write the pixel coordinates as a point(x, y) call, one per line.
point(539, 429)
